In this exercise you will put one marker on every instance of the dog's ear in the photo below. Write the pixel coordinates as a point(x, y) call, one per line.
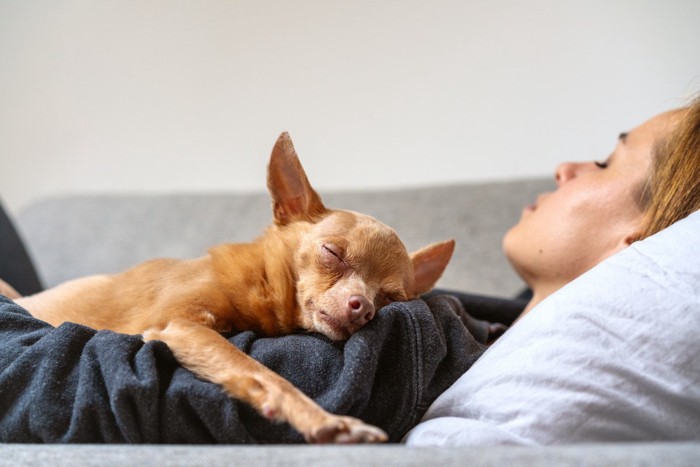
point(428, 265)
point(292, 196)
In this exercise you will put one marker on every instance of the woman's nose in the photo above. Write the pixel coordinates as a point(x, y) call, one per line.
point(570, 170)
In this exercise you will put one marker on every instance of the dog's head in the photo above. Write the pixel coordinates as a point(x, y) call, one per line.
point(346, 265)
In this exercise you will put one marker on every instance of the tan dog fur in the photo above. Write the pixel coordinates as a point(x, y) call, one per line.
point(314, 269)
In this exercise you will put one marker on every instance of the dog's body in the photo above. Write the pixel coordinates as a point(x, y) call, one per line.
point(315, 269)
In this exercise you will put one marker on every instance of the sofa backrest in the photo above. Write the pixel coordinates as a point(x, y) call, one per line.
point(73, 236)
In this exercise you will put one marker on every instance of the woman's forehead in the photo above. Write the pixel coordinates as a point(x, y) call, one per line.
point(658, 126)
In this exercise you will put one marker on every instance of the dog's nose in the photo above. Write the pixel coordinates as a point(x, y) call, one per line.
point(360, 310)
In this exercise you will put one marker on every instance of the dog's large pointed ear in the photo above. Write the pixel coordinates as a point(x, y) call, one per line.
point(428, 265)
point(292, 196)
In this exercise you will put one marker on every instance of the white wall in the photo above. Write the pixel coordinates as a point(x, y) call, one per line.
point(148, 95)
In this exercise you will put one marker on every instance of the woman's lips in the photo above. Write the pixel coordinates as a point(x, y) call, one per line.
point(530, 208)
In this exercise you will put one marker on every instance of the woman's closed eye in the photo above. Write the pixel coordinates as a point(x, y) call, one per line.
point(622, 139)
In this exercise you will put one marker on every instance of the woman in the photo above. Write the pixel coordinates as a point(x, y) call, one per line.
point(613, 356)
point(651, 180)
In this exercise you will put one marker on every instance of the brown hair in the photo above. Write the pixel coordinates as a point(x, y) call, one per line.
point(673, 191)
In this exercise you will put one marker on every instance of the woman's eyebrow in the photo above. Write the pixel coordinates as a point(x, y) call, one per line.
point(622, 138)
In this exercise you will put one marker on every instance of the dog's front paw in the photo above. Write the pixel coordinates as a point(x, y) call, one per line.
point(345, 430)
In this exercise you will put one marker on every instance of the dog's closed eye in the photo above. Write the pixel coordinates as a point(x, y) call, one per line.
point(332, 252)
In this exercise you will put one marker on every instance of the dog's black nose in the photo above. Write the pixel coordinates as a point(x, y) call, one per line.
point(360, 310)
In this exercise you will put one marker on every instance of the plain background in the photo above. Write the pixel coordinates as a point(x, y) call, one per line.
point(162, 96)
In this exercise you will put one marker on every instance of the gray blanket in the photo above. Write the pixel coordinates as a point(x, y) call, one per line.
point(73, 384)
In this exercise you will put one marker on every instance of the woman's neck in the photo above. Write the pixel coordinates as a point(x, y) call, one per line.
point(539, 293)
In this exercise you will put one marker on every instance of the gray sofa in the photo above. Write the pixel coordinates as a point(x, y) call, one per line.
point(72, 236)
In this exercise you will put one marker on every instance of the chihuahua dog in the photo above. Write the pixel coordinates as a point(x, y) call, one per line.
point(313, 269)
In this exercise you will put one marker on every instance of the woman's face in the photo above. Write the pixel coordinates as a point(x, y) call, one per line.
point(592, 214)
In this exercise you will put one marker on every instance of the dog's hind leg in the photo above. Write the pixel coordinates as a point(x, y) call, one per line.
point(211, 357)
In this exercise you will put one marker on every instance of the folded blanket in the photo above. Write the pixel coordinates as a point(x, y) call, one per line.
point(76, 385)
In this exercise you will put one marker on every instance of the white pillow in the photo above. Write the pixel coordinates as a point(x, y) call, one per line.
point(613, 356)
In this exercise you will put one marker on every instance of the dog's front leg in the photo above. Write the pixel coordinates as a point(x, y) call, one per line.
point(211, 357)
